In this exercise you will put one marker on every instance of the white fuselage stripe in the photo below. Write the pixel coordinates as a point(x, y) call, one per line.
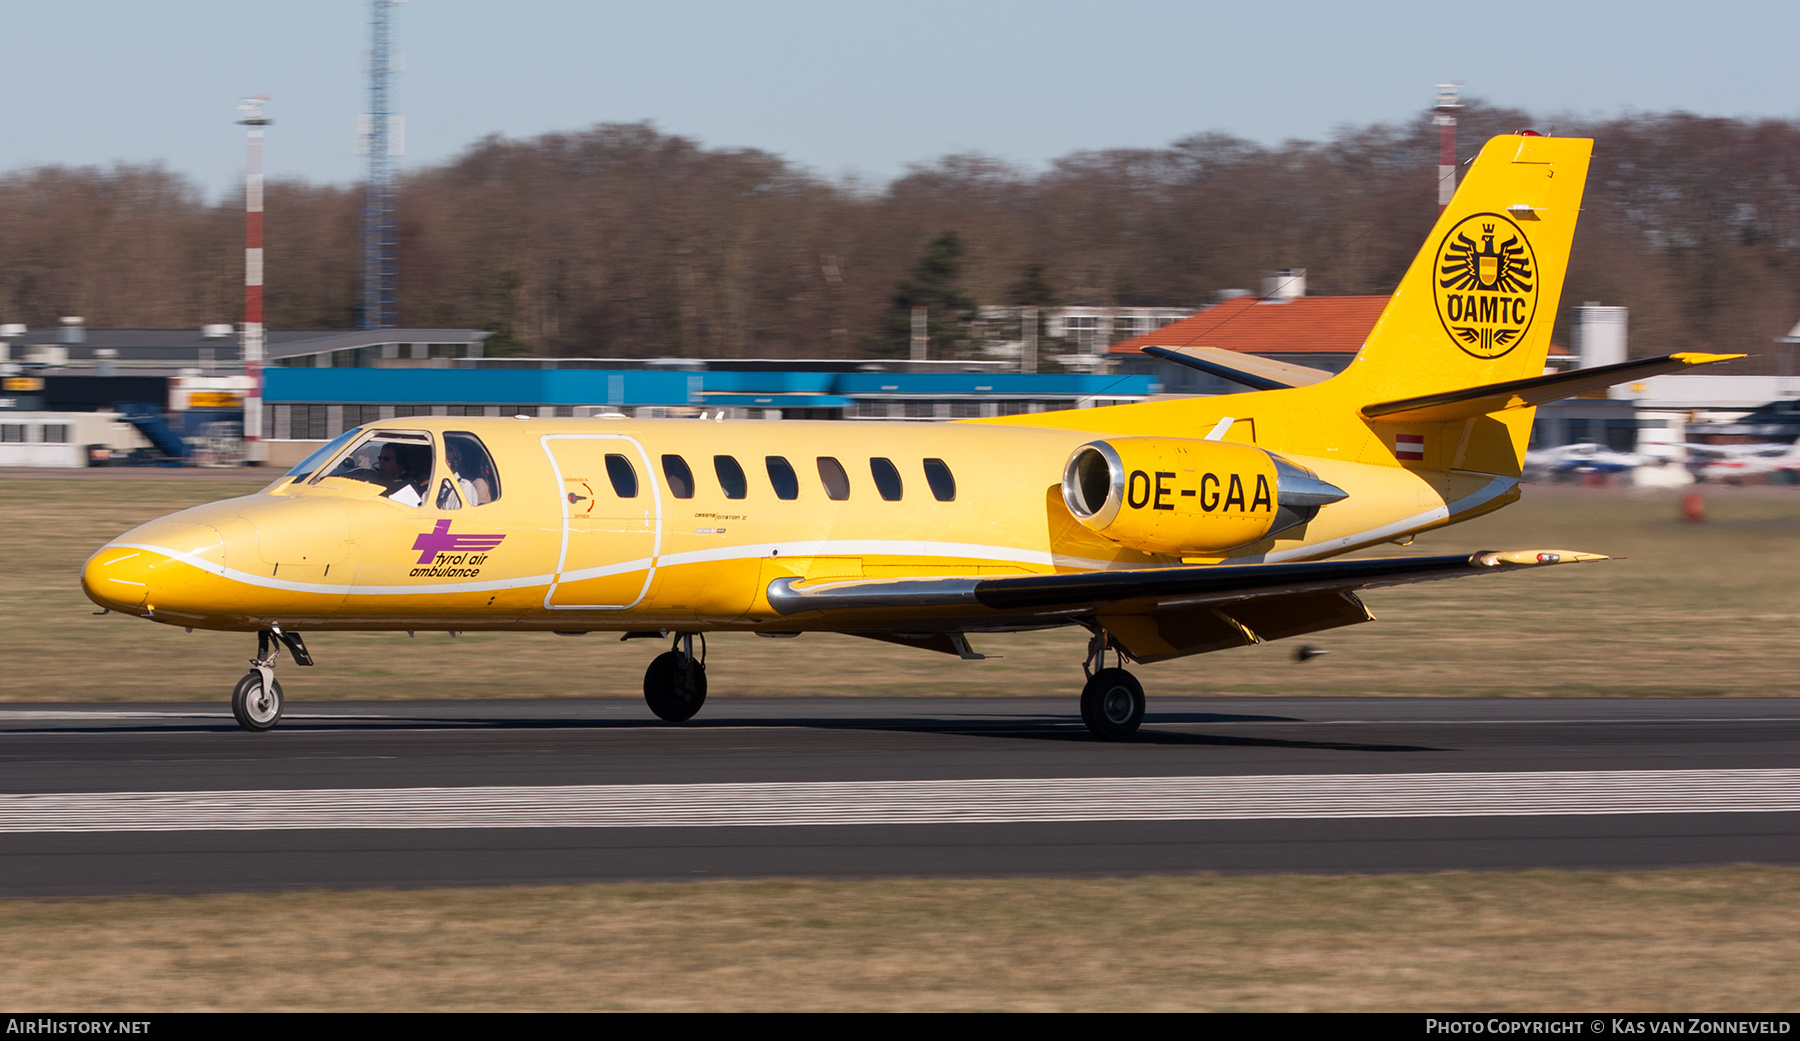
point(822, 548)
point(831, 548)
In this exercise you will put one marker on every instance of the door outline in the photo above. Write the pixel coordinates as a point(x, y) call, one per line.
point(562, 555)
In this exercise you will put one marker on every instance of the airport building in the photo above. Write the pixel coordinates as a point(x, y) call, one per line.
point(74, 396)
point(72, 349)
point(307, 406)
point(1320, 332)
point(178, 395)
point(1075, 338)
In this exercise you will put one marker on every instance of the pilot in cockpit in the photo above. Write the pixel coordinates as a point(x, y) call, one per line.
point(405, 466)
point(404, 469)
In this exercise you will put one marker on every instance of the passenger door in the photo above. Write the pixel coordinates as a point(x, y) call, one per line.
point(610, 540)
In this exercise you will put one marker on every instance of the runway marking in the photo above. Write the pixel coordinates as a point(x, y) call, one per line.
point(1296, 797)
point(10, 716)
point(80, 715)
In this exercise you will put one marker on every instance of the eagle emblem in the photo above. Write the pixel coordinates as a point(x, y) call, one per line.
point(1486, 285)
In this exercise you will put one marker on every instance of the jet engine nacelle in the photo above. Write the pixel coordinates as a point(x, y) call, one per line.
point(1181, 497)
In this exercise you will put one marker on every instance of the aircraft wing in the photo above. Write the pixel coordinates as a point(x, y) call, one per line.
point(1155, 613)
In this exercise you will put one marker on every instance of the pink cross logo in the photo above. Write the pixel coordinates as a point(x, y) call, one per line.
point(439, 540)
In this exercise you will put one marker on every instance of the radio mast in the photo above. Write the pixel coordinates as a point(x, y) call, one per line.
point(253, 122)
point(376, 308)
point(1449, 103)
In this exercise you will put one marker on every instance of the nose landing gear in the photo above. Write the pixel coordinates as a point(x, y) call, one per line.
point(675, 683)
point(257, 701)
point(1112, 702)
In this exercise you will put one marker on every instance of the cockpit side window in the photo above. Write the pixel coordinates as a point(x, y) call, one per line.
point(397, 460)
point(472, 468)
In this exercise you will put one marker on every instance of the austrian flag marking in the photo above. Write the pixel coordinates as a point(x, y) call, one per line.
point(1409, 446)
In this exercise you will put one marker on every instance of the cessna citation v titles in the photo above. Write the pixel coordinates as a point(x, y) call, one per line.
point(1164, 528)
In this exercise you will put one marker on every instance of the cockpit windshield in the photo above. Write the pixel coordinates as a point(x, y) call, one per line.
point(320, 455)
point(399, 461)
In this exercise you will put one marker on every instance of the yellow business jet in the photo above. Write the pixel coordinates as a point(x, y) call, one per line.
point(1164, 528)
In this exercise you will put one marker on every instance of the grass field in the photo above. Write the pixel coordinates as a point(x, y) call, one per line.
point(1694, 610)
point(1682, 941)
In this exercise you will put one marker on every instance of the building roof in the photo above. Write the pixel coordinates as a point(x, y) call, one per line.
point(1305, 325)
point(184, 345)
point(1302, 325)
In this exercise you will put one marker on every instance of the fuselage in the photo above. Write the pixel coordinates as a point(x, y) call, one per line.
point(627, 525)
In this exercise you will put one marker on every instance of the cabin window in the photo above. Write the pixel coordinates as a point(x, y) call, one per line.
point(731, 476)
point(941, 480)
point(399, 461)
point(622, 475)
point(680, 478)
point(833, 477)
point(887, 479)
point(447, 498)
point(472, 468)
point(782, 477)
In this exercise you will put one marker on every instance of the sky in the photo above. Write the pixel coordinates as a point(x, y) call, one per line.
point(844, 89)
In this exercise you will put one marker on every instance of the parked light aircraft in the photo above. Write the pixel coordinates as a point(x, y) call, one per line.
point(1567, 461)
point(1738, 464)
point(1164, 528)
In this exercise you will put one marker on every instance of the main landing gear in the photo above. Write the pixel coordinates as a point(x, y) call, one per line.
point(1112, 703)
point(257, 700)
point(675, 683)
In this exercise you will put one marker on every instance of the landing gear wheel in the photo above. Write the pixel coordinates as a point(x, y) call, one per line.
point(675, 686)
point(1112, 704)
point(256, 708)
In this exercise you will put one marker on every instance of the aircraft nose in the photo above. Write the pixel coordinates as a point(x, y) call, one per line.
point(151, 566)
point(117, 578)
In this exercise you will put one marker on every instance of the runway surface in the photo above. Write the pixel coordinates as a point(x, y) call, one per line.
point(175, 798)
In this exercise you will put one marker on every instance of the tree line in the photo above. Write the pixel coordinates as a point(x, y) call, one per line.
point(621, 241)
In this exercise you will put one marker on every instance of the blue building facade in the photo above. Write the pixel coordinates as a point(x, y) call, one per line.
point(309, 404)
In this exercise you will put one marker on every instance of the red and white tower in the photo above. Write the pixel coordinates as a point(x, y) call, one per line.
point(254, 122)
point(1449, 103)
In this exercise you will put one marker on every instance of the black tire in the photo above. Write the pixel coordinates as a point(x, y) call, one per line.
point(253, 710)
point(1112, 705)
point(674, 686)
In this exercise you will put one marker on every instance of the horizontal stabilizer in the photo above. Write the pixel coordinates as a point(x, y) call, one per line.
point(1248, 369)
point(1537, 390)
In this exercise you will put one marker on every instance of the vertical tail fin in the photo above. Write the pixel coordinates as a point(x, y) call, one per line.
point(1479, 300)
